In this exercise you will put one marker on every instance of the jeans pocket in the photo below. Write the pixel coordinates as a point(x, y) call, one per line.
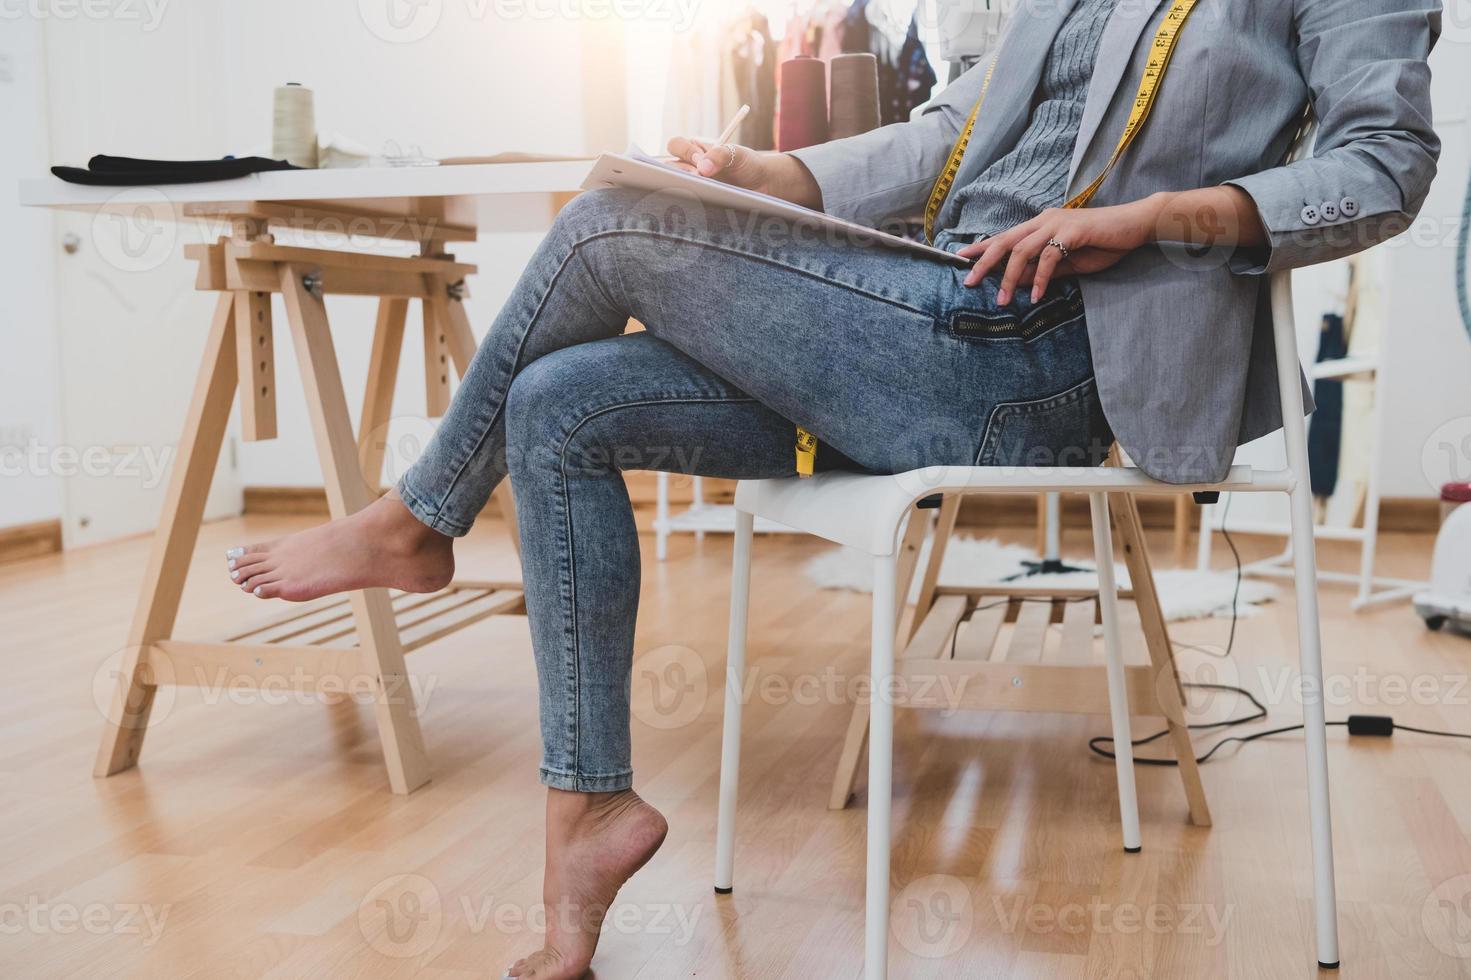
point(1011, 324)
point(1064, 429)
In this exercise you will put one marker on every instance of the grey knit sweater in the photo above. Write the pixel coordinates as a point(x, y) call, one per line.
point(1033, 176)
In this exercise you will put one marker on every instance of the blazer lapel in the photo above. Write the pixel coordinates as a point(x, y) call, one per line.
point(1018, 71)
point(1115, 54)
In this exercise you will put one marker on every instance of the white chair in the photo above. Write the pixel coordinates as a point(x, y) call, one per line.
point(869, 512)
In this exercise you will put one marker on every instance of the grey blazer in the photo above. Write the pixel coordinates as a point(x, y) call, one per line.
point(1182, 342)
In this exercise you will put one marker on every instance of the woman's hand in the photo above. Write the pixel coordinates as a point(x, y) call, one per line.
point(727, 162)
point(1094, 239)
point(775, 174)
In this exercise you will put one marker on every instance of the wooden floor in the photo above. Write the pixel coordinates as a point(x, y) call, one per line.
point(258, 838)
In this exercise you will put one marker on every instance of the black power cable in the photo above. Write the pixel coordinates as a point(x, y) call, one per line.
point(1357, 725)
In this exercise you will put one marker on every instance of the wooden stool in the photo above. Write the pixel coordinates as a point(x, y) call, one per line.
point(955, 636)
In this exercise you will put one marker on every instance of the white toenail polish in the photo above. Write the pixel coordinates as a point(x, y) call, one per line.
point(232, 564)
point(235, 576)
point(258, 589)
point(235, 553)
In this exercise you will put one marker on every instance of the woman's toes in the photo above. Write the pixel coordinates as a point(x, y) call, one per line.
point(248, 560)
point(249, 579)
point(267, 590)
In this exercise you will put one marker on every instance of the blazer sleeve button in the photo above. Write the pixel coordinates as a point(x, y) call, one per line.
point(1310, 215)
point(1349, 207)
point(1329, 211)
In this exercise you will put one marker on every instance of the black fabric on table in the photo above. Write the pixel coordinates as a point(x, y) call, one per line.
point(108, 171)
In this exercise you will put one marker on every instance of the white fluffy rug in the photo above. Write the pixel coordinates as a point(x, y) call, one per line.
point(1183, 594)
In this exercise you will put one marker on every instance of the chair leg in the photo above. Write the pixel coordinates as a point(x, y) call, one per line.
point(735, 672)
point(1203, 543)
point(915, 532)
point(1118, 694)
point(1169, 695)
point(1309, 636)
point(1310, 642)
point(661, 517)
point(880, 768)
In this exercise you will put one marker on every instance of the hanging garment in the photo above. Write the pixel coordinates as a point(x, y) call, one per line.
point(906, 78)
point(1325, 432)
point(701, 83)
point(827, 30)
point(752, 55)
point(970, 31)
point(796, 41)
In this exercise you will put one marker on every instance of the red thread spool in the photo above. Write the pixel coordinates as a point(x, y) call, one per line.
point(803, 104)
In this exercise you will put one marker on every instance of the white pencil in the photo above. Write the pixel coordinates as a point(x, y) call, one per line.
point(735, 124)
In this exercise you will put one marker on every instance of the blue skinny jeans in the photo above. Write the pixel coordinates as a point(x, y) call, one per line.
point(753, 327)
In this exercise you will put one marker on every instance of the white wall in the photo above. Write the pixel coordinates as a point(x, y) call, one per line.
point(472, 85)
point(456, 79)
point(29, 491)
point(1425, 383)
point(452, 77)
point(1428, 362)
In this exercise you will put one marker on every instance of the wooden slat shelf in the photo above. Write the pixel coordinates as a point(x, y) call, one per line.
point(1027, 646)
point(1016, 653)
point(420, 619)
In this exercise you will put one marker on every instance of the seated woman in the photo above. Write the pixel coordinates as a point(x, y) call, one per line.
point(1074, 327)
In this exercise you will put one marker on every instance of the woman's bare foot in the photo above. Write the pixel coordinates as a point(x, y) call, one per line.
point(595, 842)
point(381, 546)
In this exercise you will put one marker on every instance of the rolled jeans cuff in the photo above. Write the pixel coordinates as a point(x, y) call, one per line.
point(573, 783)
point(431, 517)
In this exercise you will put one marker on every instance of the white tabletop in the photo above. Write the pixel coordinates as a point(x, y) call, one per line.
point(375, 188)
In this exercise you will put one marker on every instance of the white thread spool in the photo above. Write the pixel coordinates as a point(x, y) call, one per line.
point(294, 126)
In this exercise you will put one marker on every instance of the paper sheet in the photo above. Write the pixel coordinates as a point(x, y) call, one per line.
point(637, 170)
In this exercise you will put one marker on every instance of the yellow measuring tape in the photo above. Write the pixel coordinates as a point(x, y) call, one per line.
point(1161, 51)
point(942, 186)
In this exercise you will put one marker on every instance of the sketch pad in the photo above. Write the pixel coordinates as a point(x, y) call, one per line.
point(638, 171)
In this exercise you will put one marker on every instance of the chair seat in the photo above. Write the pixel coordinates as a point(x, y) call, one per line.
point(861, 511)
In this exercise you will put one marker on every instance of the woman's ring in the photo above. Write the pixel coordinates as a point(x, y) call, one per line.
point(1066, 252)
